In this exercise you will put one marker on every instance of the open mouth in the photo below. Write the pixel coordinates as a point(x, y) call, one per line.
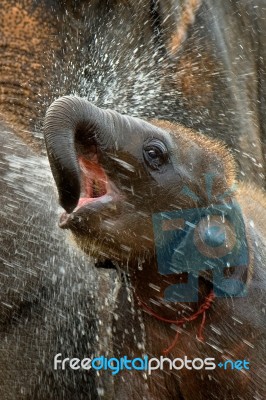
point(95, 185)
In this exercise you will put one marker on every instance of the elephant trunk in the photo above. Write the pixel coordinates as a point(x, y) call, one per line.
point(66, 119)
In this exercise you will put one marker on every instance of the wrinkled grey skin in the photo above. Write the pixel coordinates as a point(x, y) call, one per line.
point(129, 68)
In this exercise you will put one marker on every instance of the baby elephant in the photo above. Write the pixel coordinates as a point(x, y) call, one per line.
point(162, 203)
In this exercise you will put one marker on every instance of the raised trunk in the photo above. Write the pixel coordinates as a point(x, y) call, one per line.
point(71, 119)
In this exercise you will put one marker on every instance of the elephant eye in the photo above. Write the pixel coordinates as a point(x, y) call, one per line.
point(155, 154)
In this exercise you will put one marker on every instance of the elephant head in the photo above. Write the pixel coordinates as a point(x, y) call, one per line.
point(113, 172)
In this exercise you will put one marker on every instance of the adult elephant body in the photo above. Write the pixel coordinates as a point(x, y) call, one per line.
point(193, 62)
point(43, 303)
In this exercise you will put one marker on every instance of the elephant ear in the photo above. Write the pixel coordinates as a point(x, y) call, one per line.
point(176, 17)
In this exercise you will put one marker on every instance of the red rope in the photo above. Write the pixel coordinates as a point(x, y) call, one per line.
point(202, 310)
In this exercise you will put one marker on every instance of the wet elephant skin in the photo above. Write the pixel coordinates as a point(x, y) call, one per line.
point(129, 56)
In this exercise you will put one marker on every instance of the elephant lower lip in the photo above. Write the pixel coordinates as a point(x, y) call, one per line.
point(67, 221)
point(83, 201)
point(64, 220)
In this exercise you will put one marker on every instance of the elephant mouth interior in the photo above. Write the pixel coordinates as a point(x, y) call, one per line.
point(95, 186)
point(94, 181)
